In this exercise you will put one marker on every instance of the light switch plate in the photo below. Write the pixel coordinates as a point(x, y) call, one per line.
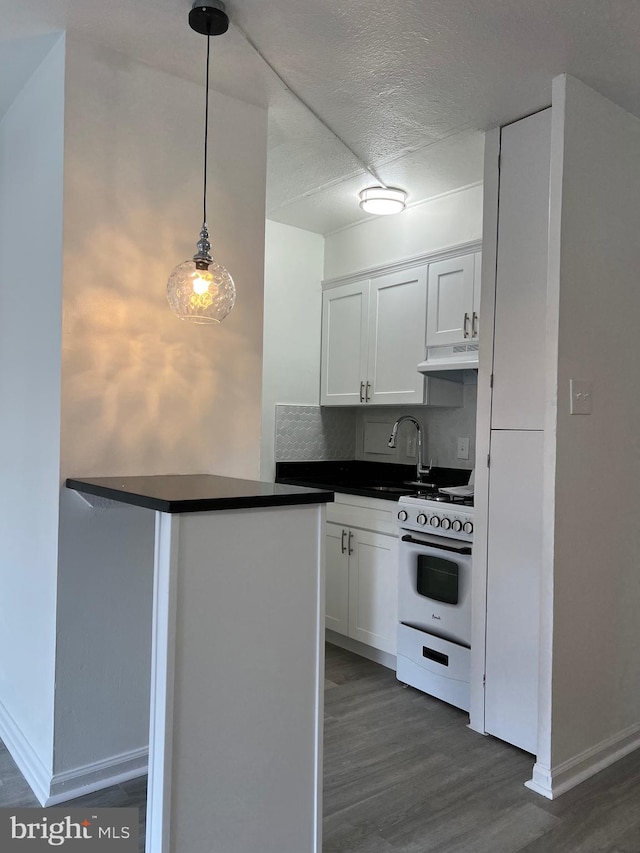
point(580, 397)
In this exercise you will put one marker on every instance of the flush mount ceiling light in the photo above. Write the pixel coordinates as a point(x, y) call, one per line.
point(201, 289)
point(383, 201)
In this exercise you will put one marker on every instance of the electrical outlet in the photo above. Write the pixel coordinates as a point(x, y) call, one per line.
point(411, 446)
point(580, 394)
point(463, 448)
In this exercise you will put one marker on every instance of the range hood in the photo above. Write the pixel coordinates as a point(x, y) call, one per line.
point(454, 357)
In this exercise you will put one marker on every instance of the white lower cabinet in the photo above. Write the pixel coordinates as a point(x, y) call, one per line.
point(513, 586)
point(362, 584)
point(373, 589)
point(337, 580)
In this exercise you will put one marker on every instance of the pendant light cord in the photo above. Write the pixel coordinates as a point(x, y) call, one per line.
point(206, 135)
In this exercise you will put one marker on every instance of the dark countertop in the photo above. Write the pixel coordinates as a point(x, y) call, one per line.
point(384, 480)
point(197, 492)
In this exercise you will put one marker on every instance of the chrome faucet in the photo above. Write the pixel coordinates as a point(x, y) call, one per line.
point(421, 468)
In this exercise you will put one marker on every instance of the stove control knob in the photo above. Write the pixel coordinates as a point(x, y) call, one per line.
point(467, 527)
point(445, 524)
point(402, 515)
point(435, 521)
point(422, 518)
point(456, 525)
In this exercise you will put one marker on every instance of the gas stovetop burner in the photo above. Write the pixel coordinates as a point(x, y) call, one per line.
point(439, 497)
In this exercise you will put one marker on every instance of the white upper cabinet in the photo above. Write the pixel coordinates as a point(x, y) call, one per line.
point(345, 331)
point(373, 335)
point(454, 299)
point(397, 318)
point(373, 338)
point(519, 354)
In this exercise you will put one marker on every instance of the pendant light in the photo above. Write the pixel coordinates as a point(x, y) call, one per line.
point(201, 289)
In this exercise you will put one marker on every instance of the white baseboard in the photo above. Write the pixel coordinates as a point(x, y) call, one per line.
point(51, 789)
point(97, 775)
point(361, 649)
point(28, 761)
point(554, 781)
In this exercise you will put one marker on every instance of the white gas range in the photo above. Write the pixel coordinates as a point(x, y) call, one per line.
point(429, 512)
point(434, 595)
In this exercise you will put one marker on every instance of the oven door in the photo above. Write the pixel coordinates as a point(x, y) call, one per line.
point(434, 586)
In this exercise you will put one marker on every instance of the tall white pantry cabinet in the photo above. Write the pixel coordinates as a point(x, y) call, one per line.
point(517, 435)
point(556, 663)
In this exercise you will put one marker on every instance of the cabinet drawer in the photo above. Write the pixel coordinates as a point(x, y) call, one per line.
point(367, 513)
point(434, 654)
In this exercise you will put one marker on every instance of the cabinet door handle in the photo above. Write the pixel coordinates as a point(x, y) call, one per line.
point(366, 396)
point(465, 325)
point(362, 392)
point(350, 538)
point(343, 547)
point(474, 325)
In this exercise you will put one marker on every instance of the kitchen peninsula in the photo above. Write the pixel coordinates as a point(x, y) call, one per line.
point(237, 661)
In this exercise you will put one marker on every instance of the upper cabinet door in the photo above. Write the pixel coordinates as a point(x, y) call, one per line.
point(451, 304)
point(519, 353)
point(397, 324)
point(345, 313)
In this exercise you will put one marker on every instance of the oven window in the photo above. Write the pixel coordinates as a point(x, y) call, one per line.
point(437, 579)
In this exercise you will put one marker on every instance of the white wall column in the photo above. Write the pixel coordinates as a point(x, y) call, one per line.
point(31, 175)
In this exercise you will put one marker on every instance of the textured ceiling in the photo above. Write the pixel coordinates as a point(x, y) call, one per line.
point(407, 84)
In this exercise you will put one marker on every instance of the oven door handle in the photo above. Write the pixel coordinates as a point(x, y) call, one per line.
point(462, 549)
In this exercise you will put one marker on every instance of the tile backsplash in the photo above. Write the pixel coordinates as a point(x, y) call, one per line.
point(307, 433)
point(442, 427)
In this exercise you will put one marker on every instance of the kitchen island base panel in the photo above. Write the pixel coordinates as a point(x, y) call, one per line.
point(236, 708)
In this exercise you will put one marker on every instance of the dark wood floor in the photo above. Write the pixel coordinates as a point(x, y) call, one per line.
point(403, 774)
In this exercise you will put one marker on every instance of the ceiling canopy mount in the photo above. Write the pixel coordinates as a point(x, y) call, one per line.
point(209, 18)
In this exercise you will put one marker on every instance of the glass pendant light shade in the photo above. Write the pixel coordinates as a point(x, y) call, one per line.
point(202, 296)
point(201, 289)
